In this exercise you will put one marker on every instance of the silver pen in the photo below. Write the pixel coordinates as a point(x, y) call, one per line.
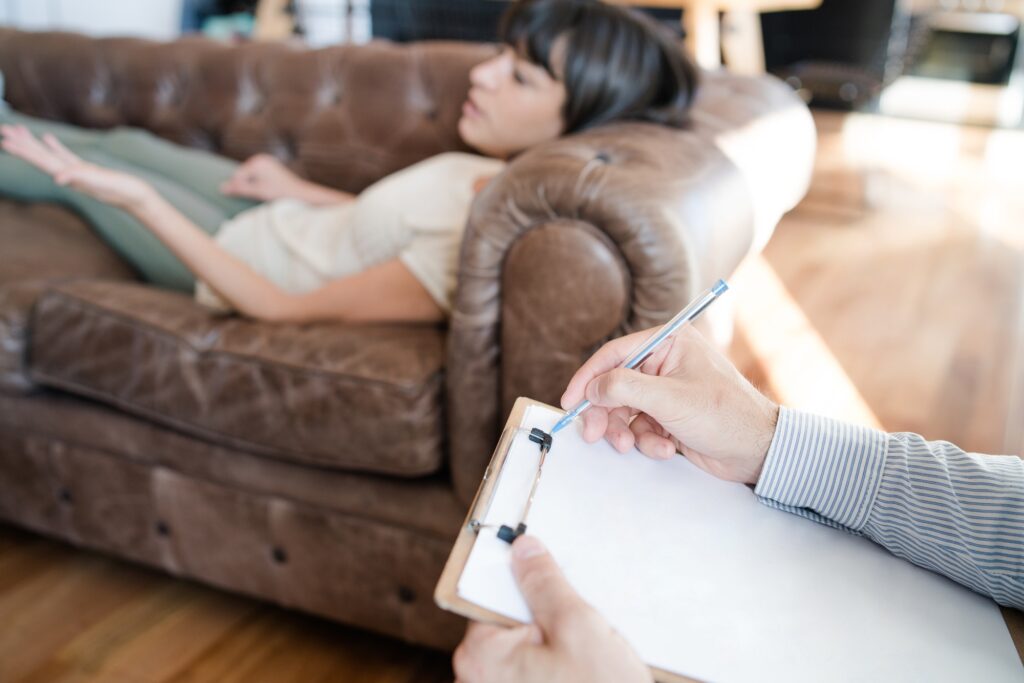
point(644, 351)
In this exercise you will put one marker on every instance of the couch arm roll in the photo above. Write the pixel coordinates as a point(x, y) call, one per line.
point(579, 241)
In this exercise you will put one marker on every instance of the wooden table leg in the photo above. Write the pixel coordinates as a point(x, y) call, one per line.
point(742, 43)
point(700, 21)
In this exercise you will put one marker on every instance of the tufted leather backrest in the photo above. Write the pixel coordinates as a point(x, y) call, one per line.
point(342, 116)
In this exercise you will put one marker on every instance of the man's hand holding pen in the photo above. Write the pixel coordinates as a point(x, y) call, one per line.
point(687, 397)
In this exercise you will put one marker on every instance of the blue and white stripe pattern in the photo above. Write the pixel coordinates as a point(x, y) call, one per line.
point(959, 514)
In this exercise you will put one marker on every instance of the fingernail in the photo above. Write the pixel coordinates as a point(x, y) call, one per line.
point(526, 547)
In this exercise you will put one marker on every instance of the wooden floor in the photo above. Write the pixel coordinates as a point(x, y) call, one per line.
point(68, 615)
point(893, 296)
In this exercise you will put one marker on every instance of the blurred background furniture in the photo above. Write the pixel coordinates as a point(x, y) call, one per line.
point(949, 60)
point(274, 20)
point(841, 54)
point(729, 27)
point(328, 467)
point(156, 19)
point(963, 64)
point(473, 20)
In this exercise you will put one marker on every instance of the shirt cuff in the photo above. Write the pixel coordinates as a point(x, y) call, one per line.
point(819, 467)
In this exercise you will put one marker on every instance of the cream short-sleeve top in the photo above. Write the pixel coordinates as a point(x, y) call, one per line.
point(416, 215)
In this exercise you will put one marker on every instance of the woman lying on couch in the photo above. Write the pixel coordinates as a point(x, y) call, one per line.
point(258, 239)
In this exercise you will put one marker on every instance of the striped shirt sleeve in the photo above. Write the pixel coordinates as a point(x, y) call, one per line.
point(959, 514)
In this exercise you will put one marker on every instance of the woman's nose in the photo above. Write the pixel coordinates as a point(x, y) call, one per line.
point(488, 74)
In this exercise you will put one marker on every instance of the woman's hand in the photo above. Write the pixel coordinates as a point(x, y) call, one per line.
point(116, 188)
point(264, 178)
point(687, 397)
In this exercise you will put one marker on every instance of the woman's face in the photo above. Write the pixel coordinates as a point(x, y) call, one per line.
point(512, 105)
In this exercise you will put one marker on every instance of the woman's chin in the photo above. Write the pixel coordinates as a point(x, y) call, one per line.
point(481, 138)
point(469, 134)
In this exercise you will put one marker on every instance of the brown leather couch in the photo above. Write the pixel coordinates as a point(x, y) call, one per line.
point(328, 467)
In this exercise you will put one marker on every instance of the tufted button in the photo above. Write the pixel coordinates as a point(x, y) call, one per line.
point(250, 98)
point(603, 157)
point(279, 555)
point(281, 148)
point(162, 529)
point(432, 114)
point(202, 139)
point(406, 594)
point(99, 93)
point(214, 137)
point(64, 495)
point(167, 95)
point(328, 95)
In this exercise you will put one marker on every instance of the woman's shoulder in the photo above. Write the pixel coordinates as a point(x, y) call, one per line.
point(438, 173)
point(460, 161)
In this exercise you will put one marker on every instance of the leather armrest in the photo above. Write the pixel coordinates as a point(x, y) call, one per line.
point(579, 241)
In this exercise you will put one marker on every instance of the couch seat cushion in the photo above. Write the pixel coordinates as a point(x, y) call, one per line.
point(348, 397)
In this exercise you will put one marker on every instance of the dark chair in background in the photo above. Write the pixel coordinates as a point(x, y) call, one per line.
point(472, 20)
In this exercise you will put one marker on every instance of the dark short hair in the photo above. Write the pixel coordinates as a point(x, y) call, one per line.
point(619, 63)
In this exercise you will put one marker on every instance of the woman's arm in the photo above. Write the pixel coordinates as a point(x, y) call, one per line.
point(384, 293)
point(387, 292)
point(264, 178)
point(320, 195)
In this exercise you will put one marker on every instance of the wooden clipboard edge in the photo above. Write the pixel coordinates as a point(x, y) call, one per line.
point(446, 594)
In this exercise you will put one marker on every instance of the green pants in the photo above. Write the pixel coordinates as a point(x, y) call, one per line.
point(189, 179)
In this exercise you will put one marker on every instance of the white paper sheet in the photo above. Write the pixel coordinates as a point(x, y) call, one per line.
point(706, 581)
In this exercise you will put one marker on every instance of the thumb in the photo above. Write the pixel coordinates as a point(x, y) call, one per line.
point(544, 587)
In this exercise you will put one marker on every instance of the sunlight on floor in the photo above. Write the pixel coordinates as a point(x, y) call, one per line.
point(800, 369)
point(972, 174)
point(920, 152)
point(1001, 211)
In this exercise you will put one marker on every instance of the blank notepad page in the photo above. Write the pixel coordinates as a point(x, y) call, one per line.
point(705, 581)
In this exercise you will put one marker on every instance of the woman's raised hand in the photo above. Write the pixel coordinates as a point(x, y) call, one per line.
point(264, 178)
point(117, 188)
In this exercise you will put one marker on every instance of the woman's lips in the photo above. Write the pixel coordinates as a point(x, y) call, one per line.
point(471, 110)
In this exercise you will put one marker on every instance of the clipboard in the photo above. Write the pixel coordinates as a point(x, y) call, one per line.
point(446, 593)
